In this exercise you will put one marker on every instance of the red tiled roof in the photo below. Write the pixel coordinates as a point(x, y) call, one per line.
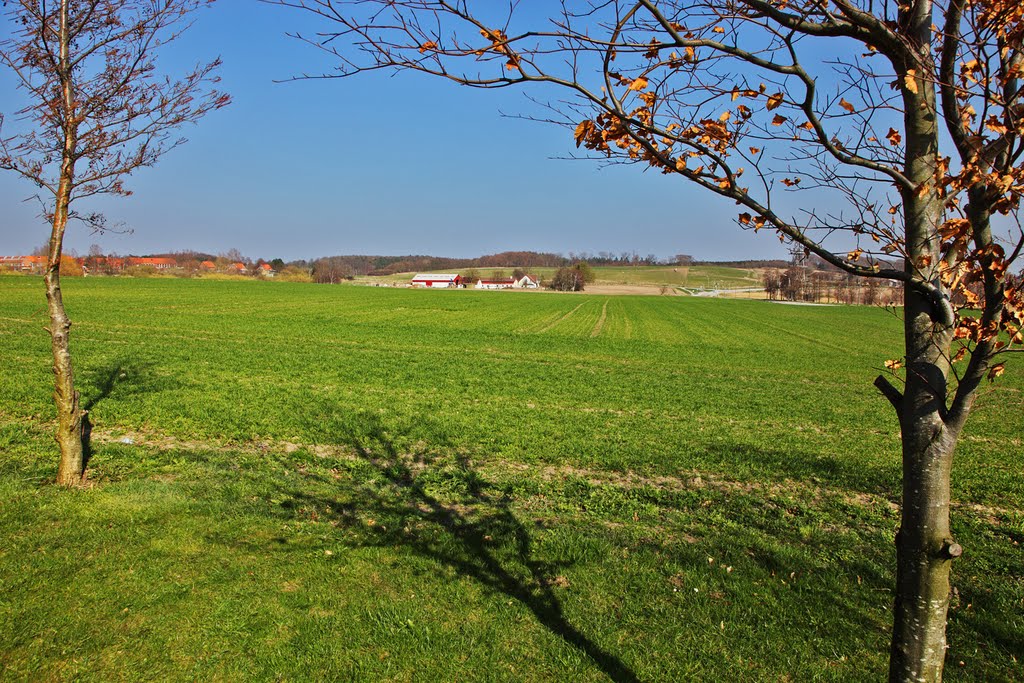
point(151, 261)
point(22, 261)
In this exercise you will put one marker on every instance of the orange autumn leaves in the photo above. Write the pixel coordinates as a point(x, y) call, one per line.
point(1004, 17)
point(499, 44)
point(644, 141)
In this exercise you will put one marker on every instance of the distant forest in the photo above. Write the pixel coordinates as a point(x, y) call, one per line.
point(333, 268)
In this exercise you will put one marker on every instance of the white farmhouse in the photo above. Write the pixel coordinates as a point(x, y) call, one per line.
point(507, 283)
point(527, 282)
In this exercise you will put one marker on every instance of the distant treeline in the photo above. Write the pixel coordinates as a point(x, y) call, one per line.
point(757, 263)
point(335, 268)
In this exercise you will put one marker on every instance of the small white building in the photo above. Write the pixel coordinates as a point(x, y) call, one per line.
point(437, 280)
point(527, 282)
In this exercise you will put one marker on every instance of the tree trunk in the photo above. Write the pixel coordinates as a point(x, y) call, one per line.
point(69, 415)
point(924, 551)
point(924, 545)
point(71, 470)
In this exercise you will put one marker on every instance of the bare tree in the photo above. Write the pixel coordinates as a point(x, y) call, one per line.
point(909, 132)
point(97, 110)
point(235, 255)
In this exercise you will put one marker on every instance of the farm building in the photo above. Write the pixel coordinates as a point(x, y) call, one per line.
point(208, 266)
point(437, 280)
point(266, 270)
point(527, 282)
point(507, 283)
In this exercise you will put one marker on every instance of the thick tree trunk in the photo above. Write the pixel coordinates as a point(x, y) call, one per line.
point(924, 545)
point(69, 415)
point(924, 551)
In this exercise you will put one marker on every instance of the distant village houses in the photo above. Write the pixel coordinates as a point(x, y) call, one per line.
point(180, 264)
point(160, 263)
point(23, 264)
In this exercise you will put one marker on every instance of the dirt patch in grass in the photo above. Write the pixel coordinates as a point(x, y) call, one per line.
point(500, 471)
point(696, 480)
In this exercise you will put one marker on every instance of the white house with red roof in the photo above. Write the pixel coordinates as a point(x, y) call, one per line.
point(527, 282)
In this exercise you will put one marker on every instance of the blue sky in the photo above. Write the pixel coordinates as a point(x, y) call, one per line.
point(376, 164)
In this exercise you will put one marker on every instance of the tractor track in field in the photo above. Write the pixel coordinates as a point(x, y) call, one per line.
point(600, 321)
point(560, 320)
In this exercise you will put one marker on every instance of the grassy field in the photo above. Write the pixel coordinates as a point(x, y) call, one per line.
point(706, 277)
point(298, 482)
point(701, 277)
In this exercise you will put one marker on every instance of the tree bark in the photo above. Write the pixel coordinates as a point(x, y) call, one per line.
point(71, 470)
point(924, 552)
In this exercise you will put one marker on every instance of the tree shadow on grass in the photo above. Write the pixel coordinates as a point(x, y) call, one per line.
point(126, 375)
point(440, 508)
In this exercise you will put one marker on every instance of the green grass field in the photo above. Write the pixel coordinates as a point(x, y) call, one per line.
point(298, 482)
point(706, 277)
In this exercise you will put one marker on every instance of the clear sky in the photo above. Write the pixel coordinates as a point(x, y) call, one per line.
point(375, 164)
